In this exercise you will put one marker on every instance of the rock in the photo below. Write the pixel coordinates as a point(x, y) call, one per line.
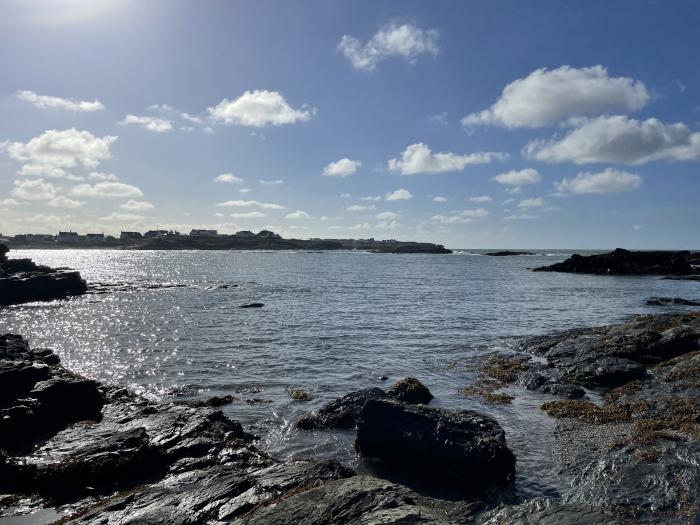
point(22, 281)
point(549, 512)
point(625, 262)
point(252, 305)
point(671, 301)
point(297, 394)
point(410, 390)
point(462, 449)
point(213, 401)
point(507, 254)
point(341, 413)
point(383, 378)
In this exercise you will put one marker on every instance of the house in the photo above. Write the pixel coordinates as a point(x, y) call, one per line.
point(204, 233)
point(39, 237)
point(68, 237)
point(155, 233)
point(95, 237)
point(267, 234)
point(130, 236)
point(245, 234)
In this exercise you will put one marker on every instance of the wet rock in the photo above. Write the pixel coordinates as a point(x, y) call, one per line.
point(298, 394)
point(671, 301)
point(252, 305)
point(462, 448)
point(340, 413)
point(410, 390)
point(549, 512)
point(625, 262)
point(22, 281)
point(213, 401)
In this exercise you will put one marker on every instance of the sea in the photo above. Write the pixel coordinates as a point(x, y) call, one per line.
point(169, 326)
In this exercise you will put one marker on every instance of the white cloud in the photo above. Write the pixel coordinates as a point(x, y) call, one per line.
point(270, 182)
point(158, 125)
point(371, 198)
point(361, 226)
point(62, 149)
point(257, 109)
point(341, 168)
point(249, 215)
point(9, 202)
point(46, 102)
point(392, 40)
point(535, 202)
point(344, 195)
point(134, 205)
point(297, 215)
point(607, 181)
point(439, 198)
point(418, 158)
point(33, 190)
point(463, 217)
point(229, 178)
point(508, 201)
point(244, 190)
point(622, 140)
point(481, 198)
point(387, 216)
point(122, 218)
point(546, 97)
point(103, 176)
point(64, 202)
point(520, 217)
point(398, 195)
point(246, 204)
point(42, 170)
point(518, 177)
point(107, 189)
point(361, 207)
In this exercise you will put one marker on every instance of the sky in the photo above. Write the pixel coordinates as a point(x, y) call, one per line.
point(474, 124)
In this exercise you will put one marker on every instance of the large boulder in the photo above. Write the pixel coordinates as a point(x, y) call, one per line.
point(462, 448)
point(625, 262)
point(340, 413)
point(410, 390)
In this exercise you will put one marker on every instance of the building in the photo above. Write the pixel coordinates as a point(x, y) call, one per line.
point(40, 237)
point(68, 237)
point(95, 237)
point(245, 234)
point(267, 234)
point(150, 234)
point(130, 236)
point(204, 233)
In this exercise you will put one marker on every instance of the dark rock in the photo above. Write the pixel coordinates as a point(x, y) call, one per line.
point(341, 413)
point(671, 301)
point(252, 305)
point(625, 262)
point(410, 390)
point(66, 400)
point(507, 253)
point(456, 448)
point(213, 401)
point(22, 281)
point(3, 252)
point(297, 394)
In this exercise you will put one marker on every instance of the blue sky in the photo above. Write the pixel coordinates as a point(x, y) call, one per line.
point(469, 123)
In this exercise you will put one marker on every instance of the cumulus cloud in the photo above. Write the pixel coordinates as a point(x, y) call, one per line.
point(406, 41)
point(398, 195)
point(134, 205)
point(546, 97)
point(96, 175)
point(42, 170)
point(621, 140)
point(607, 181)
point(249, 215)
point(297, 215)
point(439, 198)
point(463, 217)
point(387, 216)
point(257, 109)
point(9, 202)
point(341, 168)
point(371, 198)
point(123, 218)
point(106, 189)
point(418, 158)
point(228, 178)
point(33, 190)
point(535, 202)
point(158, 125)
point(519, 217)
point(62, 149)
point(270, 182)
point(65, 202)
point(246, 204)
point(46, 102)
point(518, 177)
point(361, 207)
point(481, 198)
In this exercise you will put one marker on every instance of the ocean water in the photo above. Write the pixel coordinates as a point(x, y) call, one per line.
point(332, 323)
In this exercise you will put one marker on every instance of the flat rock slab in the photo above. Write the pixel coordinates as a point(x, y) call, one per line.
point(462, 449)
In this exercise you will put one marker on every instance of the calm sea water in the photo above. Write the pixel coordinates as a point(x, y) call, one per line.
point(333, 322)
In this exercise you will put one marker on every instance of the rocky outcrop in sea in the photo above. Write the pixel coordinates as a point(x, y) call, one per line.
point(22, 281)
